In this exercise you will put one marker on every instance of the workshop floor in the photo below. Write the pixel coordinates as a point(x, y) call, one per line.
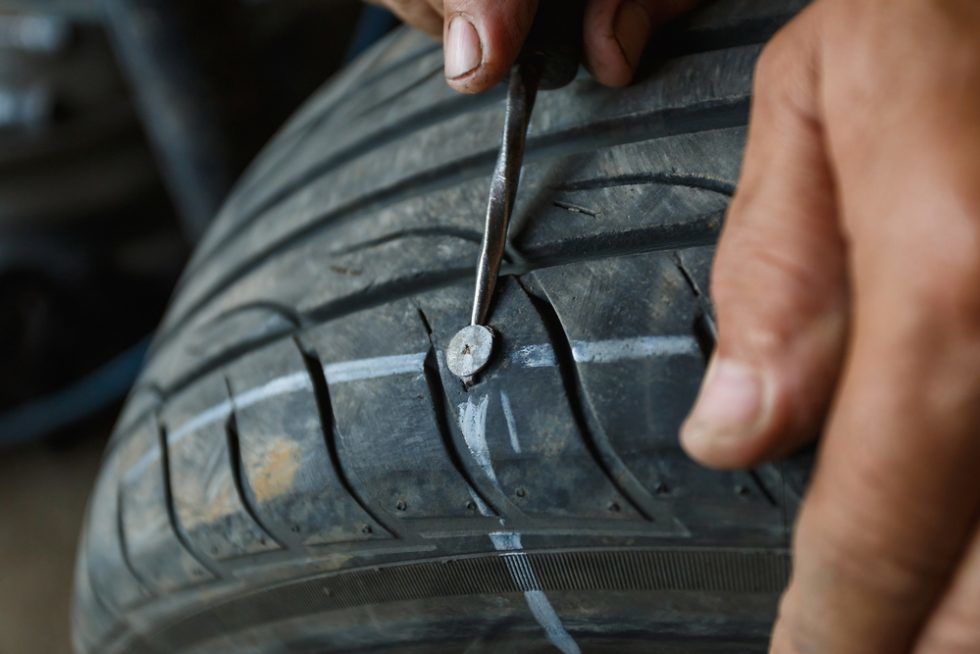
point(43, 491)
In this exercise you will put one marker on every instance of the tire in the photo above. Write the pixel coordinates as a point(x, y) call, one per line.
point(298, 471)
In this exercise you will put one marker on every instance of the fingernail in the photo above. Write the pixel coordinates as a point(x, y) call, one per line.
point(463, 50)
point(731, 405)
point(632, 29)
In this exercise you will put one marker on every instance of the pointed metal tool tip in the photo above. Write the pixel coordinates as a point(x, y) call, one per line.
point(469, 351)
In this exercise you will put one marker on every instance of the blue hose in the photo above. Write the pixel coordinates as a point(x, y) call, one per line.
point(95, 391)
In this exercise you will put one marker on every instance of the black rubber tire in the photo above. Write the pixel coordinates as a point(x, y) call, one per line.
point(298, 471)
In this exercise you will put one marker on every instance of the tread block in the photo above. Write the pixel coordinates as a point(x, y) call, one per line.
point(287, 470)
point(390, 433)
point(627, 187)
point(155, 549)
point(203, 469)
point(640, 399)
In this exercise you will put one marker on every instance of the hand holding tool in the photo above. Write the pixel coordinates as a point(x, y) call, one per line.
point(549, 60)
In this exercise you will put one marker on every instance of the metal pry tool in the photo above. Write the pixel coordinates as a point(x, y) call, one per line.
point(549, 60)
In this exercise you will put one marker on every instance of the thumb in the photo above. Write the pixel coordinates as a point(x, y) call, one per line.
point(483, 38)
point(779, 280)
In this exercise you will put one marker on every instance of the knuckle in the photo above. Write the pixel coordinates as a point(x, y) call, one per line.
point(786, 73)
point(744, 266)
point(796, 295)
point(771, 65)
point(786, 58)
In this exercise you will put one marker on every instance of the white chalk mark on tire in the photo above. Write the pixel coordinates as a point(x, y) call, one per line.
point(534, 356)
point(360, 369)
point(473, 424)
point(642, 347)
point(523, 575)
point(216, 413)
point(542, 355)
point(298, 381)
point(515, 442)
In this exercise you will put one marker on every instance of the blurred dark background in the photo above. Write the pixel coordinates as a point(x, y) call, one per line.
point(123, 125)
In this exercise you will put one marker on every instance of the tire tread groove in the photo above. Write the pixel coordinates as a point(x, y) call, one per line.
point(238, 475)
point(438, 401)
point(604, 457)
point(171, 509)
point(321, 394)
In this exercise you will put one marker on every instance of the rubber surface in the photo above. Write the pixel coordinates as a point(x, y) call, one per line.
point(297, 470)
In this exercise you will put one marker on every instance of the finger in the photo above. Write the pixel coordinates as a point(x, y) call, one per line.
point(779, 278)
point(418, 14)
point(954, 627)
point(894, 496)
point(617, 31)
point(483, 38)
point(894, 499)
